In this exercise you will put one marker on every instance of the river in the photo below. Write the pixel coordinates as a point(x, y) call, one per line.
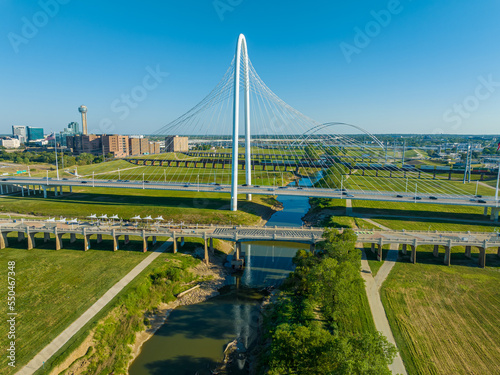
point(193, 338)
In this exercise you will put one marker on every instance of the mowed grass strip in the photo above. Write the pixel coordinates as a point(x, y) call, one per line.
point(445, 319)
point(189, 207)
point(53, 288)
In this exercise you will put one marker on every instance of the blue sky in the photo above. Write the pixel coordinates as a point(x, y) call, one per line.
point(387, 66)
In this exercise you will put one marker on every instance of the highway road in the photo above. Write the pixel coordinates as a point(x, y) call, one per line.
point(462, 200)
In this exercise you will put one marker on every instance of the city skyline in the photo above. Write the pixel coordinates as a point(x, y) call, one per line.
point(327, 61)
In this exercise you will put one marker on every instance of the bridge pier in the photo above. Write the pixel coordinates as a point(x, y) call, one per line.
point(31, 239)
point(144, 242)
point(4, 242)
point(174, 238)
point(154, 240)
point(468, 251)
point(403, 249)
point(127, 239)
point(494, 213)
point(44, 191)
point(498, 252)
point(99, 238)
point(379, 251)
point(485, 212)
point(72, 238)
point(182, 241)
point(312, 248)
point(413, 255)
point(447, 255)
point(436, 251)
point(59, 242)
point(205, 259)
point(116, 243)
point(86, 242)
point(20, 236)
point(46, 237)
point(238, 250)
point(373, 248)
point(482, 257)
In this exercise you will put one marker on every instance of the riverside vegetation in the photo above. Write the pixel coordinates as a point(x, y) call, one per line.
point(320, 322)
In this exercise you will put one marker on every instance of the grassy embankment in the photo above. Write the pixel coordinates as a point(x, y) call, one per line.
point(51, 294)
point(444, 319)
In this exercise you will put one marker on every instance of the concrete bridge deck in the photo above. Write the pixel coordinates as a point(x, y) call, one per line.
point(410, 240)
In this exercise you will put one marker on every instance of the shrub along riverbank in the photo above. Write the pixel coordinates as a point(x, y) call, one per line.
point(320, 322)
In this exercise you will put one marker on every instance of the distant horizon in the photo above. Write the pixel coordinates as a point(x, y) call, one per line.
point(370, 63)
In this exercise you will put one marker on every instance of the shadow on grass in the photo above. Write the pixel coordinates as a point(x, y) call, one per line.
point(424, 216)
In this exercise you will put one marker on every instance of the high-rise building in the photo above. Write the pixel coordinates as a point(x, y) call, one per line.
point(83, 110)
point(134, 146)
point(19, 132)
point(34, 133)
point(74, 128)
point(115, 144)
point(144, 146)
point(176, 144)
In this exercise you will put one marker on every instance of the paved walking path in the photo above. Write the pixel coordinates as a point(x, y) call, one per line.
point(372, 286)
point(56, 344)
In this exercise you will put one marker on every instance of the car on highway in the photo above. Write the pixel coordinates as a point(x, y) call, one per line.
point(257, 186)
point(349, 196)
point(479, 196)
point(282, 187)
point(432, 197)
point(4, 179)
point(399, 196)
point(246, 185)
point(65, 179)
point(481, 201)
point(418, 198)
point(187, 185)
point(472, 200)
point(300, 188)
point(218, 188)
point(147, 182)
point(84, 182)
point(270, 189)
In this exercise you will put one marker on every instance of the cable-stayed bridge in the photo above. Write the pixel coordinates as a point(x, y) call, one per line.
point(246, 140)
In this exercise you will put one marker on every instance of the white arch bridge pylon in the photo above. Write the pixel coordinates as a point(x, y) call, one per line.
point(280, 147)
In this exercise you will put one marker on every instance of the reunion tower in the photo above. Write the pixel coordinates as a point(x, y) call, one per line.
point(83, 110)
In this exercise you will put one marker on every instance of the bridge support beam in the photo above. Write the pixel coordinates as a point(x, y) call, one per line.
point(447, 255)
point(403, 249)
point(174, 238)
point(86, 242)
point(4, 242)
point(20, 236)
point(238, 250)
point(59, 241)
point(436, 251)
point(72, 238)
point(144, 242)
point(413, 255)
point(468, 251)
point(31, 239)
point(205, 259)
point(482, 257)
point(379, 251)
point(45, 191)
point(494, 213)
point(116, 243)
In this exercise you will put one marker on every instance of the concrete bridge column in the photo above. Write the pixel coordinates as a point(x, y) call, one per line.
point(182, 241)
point(485, 213)
point(4, 242)
point(498, 251)
point(61, 190)
point(447, 255)
point(468, 251)
point(174, 237)
point(494, 213)
point(55, 191)
point(373, 248)
point(28, 190)
point(413, 255)
point(154, 240)
point(72, 238)
point(116, 244)
point(86, 242)
point(205, 259)
point(127, 239)
point(144, 242)
point(436, 251)
point(22, 191)
point(379, 251)
point(99, 238)
point(20, 236)
point(238, 250)
point(46, 237)
point(45, 191)
point(403, 249)
point(482, 257)
point(59, 242)
point(31, 239)
point(1, 189)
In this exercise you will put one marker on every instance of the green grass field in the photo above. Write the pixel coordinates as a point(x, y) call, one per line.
point(53, 288)
point(172, 205)
point(444, 319)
